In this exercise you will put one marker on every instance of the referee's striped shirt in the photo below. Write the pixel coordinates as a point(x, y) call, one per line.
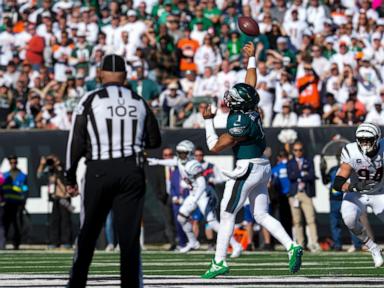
point(108, 123)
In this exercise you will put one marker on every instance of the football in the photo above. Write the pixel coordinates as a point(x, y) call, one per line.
point(248, 26)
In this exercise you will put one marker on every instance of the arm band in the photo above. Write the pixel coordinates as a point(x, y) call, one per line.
point(338, 183)
point(210, 133)
point(251, 63)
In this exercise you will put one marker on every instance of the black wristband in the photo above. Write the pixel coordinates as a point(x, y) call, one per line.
point(338, 183)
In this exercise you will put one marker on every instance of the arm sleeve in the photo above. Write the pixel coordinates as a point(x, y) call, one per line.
point(76, 145)
point(345, 156)
point(168, 162)
point(199, 187)
point(152, 132)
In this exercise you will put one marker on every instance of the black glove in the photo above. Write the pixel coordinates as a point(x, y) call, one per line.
point(364, 185)
point(323, 165)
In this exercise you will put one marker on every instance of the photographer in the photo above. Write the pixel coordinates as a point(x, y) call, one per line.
point(60, 227)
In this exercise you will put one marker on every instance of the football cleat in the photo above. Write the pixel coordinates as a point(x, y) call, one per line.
point(216, 269)
point(376, 256)
point(294, 254)
point(189, 247)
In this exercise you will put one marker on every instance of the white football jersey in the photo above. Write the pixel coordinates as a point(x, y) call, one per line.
point(364, 167)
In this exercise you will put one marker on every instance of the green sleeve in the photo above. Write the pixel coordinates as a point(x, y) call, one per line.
point(239, 125)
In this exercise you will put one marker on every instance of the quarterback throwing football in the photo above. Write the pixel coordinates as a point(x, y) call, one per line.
point(250, 177)
point(362, 163)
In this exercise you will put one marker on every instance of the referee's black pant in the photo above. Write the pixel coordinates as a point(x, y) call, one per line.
point(118, 184)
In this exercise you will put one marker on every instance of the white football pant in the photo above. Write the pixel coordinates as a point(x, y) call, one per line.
point(254, 186)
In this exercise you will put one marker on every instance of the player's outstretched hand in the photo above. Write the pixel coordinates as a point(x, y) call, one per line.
point(208, 113)
point(249, 49)
point(72, 190)
point(152, 161)
point(364, 185)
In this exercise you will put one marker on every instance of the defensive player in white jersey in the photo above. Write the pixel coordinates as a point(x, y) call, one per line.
point(199, 197)
point(362, 163)
point(184, 152)
point(245, 135)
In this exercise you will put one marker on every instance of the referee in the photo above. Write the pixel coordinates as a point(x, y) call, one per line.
point(110, 128)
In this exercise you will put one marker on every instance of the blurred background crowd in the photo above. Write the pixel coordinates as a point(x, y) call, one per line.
point(319, 62)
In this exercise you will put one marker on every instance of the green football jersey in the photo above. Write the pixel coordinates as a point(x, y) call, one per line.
point(247, 125)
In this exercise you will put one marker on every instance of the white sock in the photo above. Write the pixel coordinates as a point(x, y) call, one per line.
point(275, 228)
point(215, 225)
point(187, 228)
point(224, 234)
point(370, 244)
point(142, 236)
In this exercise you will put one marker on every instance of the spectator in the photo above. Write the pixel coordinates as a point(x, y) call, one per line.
point(330, 110)
point(286, 118)
point(145, 87)
point(206, 86)
point(284, 91)
point(174, 104)
point(166, 61)
point(320, 63)
point(35, 49)
point(196, 120)
point(307, 86)
point(60, 227)
point(188, 47)
point(367, 83)
point(295, 28)
point(6, 103)
point(220, 120)
point(188, 83)
point(7, 41)
point(15, 190)
point(343, 56)
point(207, 55)
point(19, 118)
point(226, 78)
point(280, 182)
point(162, 185)
point(353, 111)
point(376, 114)
point(308, 118)
point(301, 174)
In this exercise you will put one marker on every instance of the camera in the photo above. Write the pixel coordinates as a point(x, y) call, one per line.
point(50, 162)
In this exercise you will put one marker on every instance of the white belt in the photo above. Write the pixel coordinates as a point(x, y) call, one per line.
point(242, 167)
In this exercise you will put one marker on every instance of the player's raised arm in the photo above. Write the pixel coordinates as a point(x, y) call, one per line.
point(215, 143)
point(251, 76)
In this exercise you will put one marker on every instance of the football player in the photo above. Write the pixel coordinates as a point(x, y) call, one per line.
point(199, 196)
point(250, 177)
point(362, 163)
point(184, 152)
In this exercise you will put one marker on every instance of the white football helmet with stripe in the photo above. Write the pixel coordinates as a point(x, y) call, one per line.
point(193, 168)
point(185, 150)
point(367, 137)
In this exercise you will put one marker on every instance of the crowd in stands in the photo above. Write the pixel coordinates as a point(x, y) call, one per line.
point(319, 62)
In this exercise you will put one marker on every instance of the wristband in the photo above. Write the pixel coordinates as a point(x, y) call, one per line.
point(251, 63)
point(210, 133)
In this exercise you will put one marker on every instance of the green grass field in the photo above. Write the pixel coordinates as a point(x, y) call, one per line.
point(171, 269)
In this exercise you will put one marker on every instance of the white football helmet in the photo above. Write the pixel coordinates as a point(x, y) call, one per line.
point(185, 150)
point(193, 168)
point(367, 137)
